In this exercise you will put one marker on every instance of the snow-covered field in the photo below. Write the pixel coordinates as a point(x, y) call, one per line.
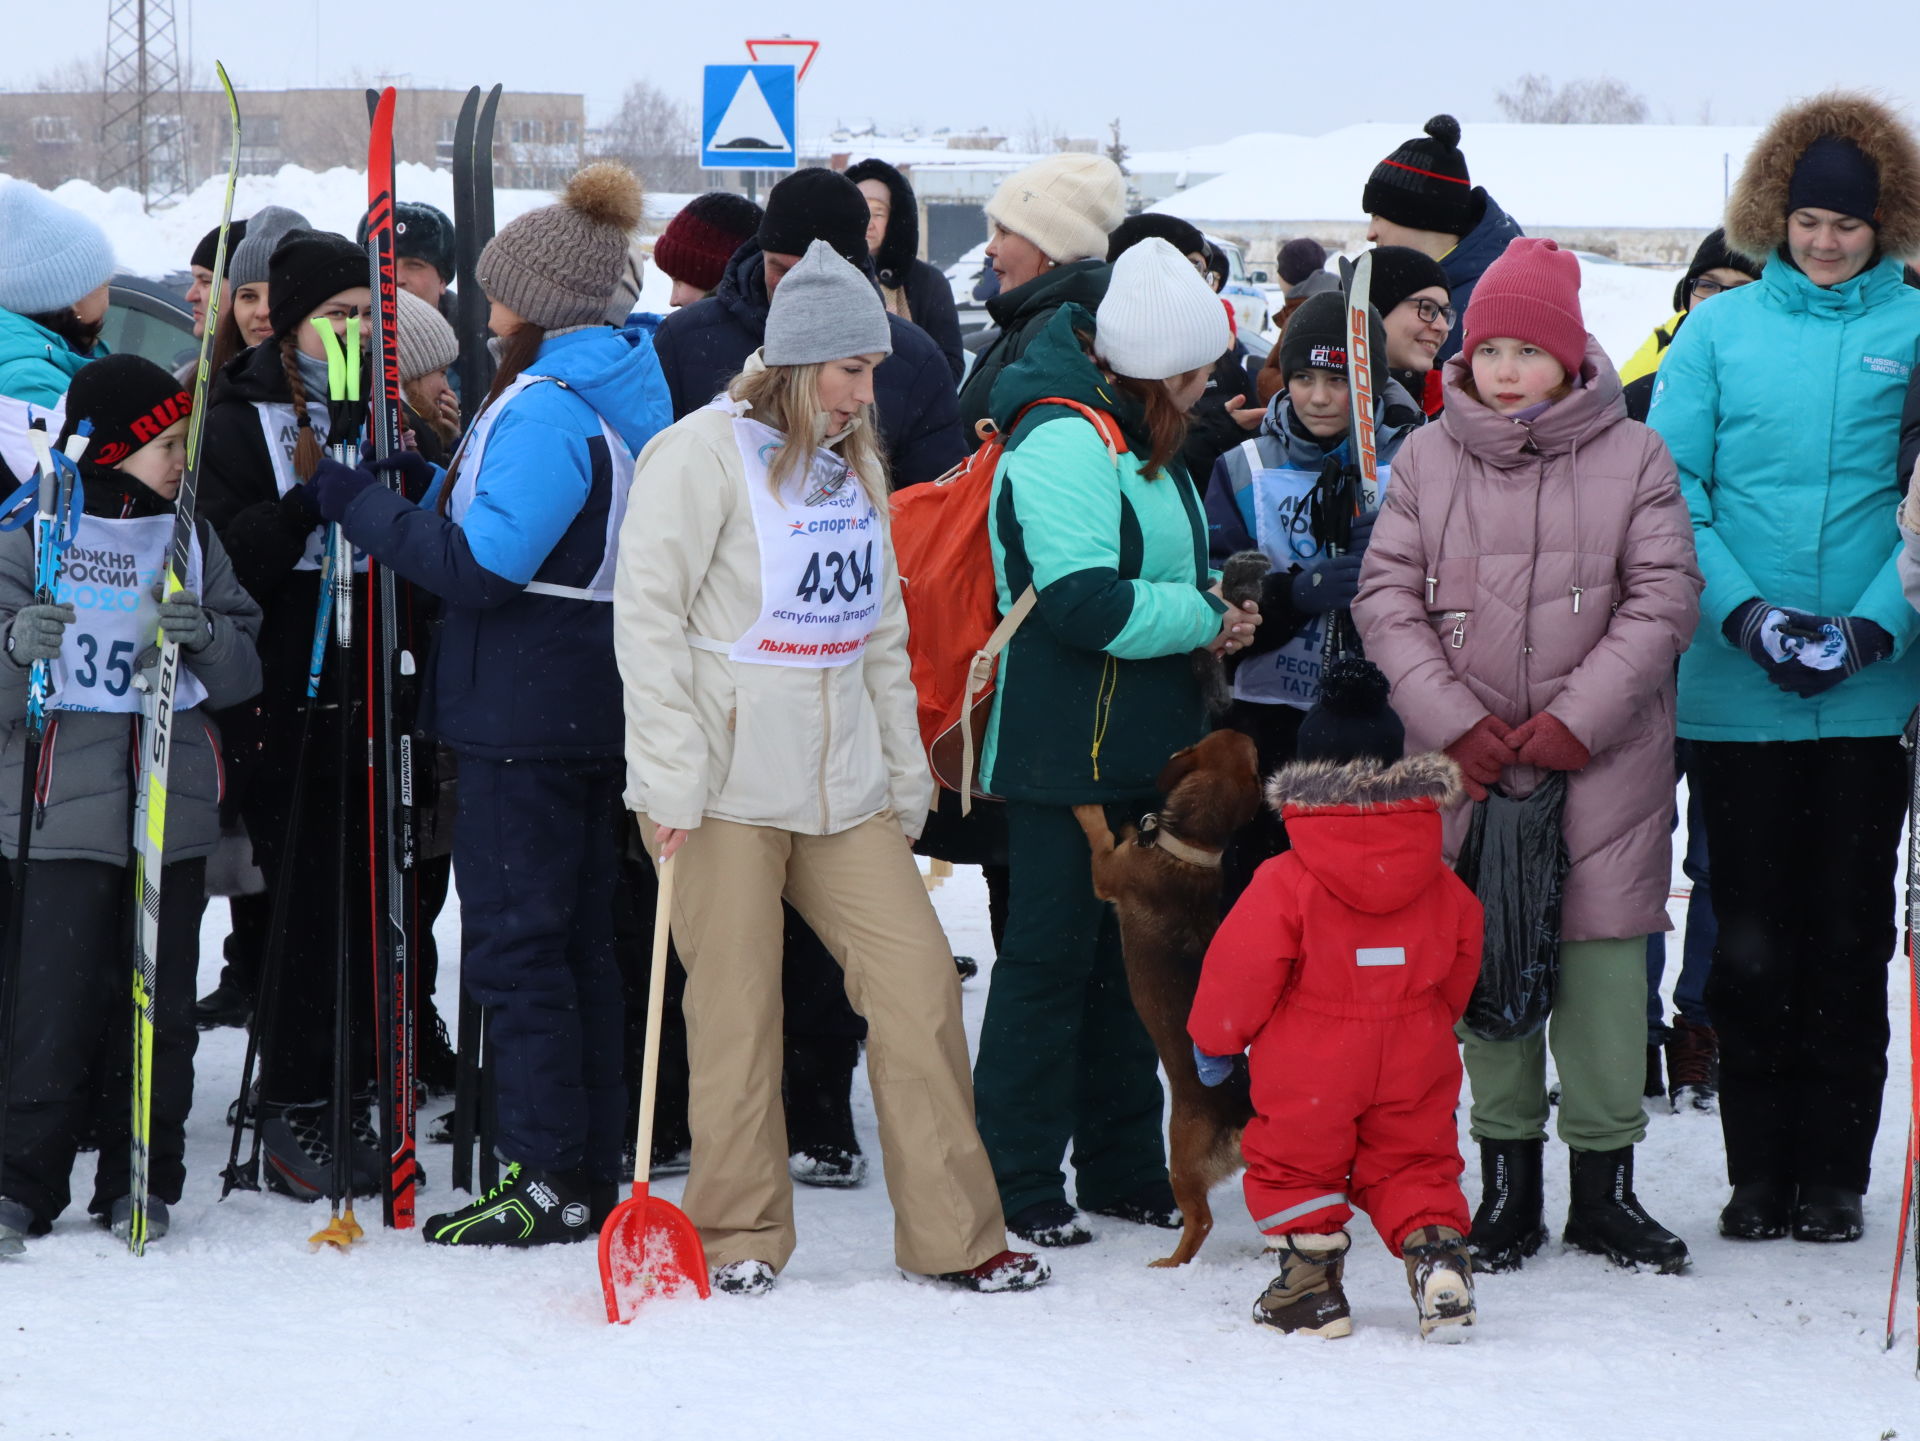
point(233, 1328)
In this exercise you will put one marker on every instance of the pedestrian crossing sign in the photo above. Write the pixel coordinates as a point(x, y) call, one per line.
point(747, 118)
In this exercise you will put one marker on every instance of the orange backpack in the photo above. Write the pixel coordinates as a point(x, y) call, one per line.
point(944, 554)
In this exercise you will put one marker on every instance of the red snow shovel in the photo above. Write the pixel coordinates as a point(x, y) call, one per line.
point(648, 1247)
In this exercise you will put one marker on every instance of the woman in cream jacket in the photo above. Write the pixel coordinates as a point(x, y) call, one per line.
point(772, 749)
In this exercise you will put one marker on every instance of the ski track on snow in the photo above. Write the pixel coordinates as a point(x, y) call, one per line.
point(231, 1327)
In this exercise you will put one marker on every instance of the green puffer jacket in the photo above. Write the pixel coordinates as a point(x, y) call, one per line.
point(1096, 690)
point(1021, 313)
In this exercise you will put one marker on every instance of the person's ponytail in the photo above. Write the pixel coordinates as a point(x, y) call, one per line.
point(307, 450)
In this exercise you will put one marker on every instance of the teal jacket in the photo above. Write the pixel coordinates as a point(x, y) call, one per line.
point(1096, 690)
point(36, 366)
point(1781, 404)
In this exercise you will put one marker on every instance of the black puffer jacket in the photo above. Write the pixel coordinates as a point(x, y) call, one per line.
point(1021, 313)
point(914, 290)
point(702, 347)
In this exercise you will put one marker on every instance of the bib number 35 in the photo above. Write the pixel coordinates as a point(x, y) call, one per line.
point(119, 666)
point(837, 575)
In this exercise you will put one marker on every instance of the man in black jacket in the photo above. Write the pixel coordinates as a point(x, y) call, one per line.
point(704, 346)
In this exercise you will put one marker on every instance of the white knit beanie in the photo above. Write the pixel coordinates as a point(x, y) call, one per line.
point(1159, 318)
point(426, 342)
point(1066, 204)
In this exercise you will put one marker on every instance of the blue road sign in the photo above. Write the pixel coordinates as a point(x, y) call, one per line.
point(747, 118)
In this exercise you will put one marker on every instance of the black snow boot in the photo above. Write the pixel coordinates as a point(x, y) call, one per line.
point(1607, 1219)
point(1827, 1213)
point(1758, 1211)
point(1510, 1224)
point(822, 1149)
point(1152, 1205)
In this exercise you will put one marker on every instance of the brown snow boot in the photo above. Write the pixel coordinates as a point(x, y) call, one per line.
point(1305, 1299)
point(1693, 1066)
point(1440, 1275)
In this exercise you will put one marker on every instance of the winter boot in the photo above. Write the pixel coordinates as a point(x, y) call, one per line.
point(1827, 1213)
point(821, 1147)
point(227, 1004)
point(1607, 1219)
point(1050, 1223)
point(527, 1208)
point(1440, 1275)
point(1758, 1211)
point(1152, 1205)
point(744, 1278)
point(119, 1219)
point(1008, 1271)
point(1510, 1224)
point(16, 1224)
point(296, 1138)
point(967, 966)
point(1693, 1066)
point(1305, 1299)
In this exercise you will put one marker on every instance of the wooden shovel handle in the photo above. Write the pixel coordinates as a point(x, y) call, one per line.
point(656, 1004)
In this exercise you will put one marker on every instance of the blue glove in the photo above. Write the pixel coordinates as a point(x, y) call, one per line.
point(1213, 1069)
point(416, 472)
point(336, 487)
point(1361, 533)
point(1329, 583)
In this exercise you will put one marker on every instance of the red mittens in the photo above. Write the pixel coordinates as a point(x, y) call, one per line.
point(1482, 753)
point(1545, 742)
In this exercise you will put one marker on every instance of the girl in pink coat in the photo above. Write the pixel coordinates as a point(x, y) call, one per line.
point(1530, 584)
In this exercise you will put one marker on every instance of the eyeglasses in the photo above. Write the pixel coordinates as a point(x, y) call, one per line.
point(1703, 286)
point(1431, 311)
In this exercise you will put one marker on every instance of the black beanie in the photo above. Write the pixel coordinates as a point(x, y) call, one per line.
point(308, 268)
point(129, 399)
point(816, 204)
point(1316, 338)
point(1180, 234)
point(1713, 254)
point(1352, 720)
point(1299, 258)
point(210, 242)
point(1400, 271)
point(420, 232)
point(1424, 184)
point(1835, 174)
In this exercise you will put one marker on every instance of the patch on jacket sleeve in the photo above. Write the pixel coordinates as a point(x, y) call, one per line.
point(1886, 365)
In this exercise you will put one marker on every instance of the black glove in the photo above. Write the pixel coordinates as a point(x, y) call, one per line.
point(335, 487)
point(1361, 533)
point(416, 472)
point(1329, 583)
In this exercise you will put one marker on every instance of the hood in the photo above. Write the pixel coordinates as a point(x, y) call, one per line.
point(1757, 208)
point(1786, 286)
point(24, 339)
point(255, 374)
point(115, 495)
point(900, 246)
point(1482, 245)
point(1394, 414)
point(742, 291)
point(1314, 284)
point(1568, 424)
point(1082, 283)
point(1056, 364)
point(617, 373)
point(1368, 833)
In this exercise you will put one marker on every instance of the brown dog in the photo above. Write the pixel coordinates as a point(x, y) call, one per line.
point(1164, 880)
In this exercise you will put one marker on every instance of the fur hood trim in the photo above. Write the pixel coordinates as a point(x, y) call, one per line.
point(1316, 785)
point(1757, 209)
point(900, 246)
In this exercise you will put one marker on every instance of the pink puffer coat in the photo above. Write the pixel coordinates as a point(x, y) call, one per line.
point(1546, 565)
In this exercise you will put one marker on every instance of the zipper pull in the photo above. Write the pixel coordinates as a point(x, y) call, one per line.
point(1432, 581)
point(1576, 598)
point(1459, 637)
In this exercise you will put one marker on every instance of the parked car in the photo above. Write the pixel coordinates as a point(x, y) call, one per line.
point(150, 318)
point(1251, 311)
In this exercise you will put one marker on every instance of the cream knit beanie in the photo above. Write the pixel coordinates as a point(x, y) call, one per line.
point(426, 342)
point(1159, 318)
point(1066, 204)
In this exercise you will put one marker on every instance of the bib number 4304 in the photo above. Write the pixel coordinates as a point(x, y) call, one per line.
point(837, 575)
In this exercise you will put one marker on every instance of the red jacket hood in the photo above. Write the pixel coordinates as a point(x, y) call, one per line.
point(1370, 834)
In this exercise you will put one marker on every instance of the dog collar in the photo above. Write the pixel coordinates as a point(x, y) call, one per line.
point(1152, 833)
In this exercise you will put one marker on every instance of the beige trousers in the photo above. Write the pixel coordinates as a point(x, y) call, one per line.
point(862, 894)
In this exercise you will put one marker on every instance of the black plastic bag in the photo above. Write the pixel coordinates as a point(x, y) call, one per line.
point(1515, 860)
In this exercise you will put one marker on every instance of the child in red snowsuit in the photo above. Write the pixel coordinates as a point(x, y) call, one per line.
point(1345, 966)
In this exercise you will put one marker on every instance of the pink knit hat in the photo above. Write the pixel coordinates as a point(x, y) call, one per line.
point(1531, 293)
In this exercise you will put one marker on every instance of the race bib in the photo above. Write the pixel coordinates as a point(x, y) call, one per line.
point(108, 578)
point(281, 426)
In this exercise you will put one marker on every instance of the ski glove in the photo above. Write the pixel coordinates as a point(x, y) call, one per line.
point(336, 487)
point(1213, 1069)
point(1482, 753)
point(1545, 742)
point(416, 472)
point(1805, 654)
point(1329, 583)
point(37, 631)
point(184, 621)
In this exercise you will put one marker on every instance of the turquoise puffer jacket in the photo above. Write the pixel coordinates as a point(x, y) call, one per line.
point(1781, 404)
point(35, 364)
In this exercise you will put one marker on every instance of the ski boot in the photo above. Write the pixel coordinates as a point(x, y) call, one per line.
point(1693, 1067)
point(1440, 1275)
point(1510, 1224)
point(16, 1224)
point(527, 1208)
point(1305, 1299)
point(296, 1139)
point(119, 1219)
point(1606, 1218)
point(1050, 1223)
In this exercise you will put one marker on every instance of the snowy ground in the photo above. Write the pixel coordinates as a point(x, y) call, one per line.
point(232, 1327)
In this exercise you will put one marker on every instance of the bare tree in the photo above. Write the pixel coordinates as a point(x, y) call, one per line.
point(1040, 135)
point(655, 135)
point(1116, 148)
point(1536, 100)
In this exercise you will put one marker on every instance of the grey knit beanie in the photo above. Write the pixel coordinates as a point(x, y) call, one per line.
point(426, 342)
point(248, 263)
point(51, 256)
point(823, 309)
point(557, 266)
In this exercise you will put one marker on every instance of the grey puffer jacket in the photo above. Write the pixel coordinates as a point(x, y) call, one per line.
point(85, 790)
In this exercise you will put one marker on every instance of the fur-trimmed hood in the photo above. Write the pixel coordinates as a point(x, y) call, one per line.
point(1757, 209)
point(900, 246)
point(1315, 785)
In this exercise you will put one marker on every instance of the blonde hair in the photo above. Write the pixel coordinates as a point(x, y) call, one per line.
point(787, 399)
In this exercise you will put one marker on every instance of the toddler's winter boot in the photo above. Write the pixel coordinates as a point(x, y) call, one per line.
point(1607, 1219)
point(1305, 1299)
point(1440, 1274)
point(743, 1278)
point(1510, 1224)
point(16, 1224)
point(1693, 1066)
point(527, 1208)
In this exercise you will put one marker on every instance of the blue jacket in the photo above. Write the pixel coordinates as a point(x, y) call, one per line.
point(1781, 404)
point(702, 348)
point(36, 365)
point(518, 674)
point(1468, 261)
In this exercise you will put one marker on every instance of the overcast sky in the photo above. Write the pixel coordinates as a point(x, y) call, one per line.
point(1175, 74)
